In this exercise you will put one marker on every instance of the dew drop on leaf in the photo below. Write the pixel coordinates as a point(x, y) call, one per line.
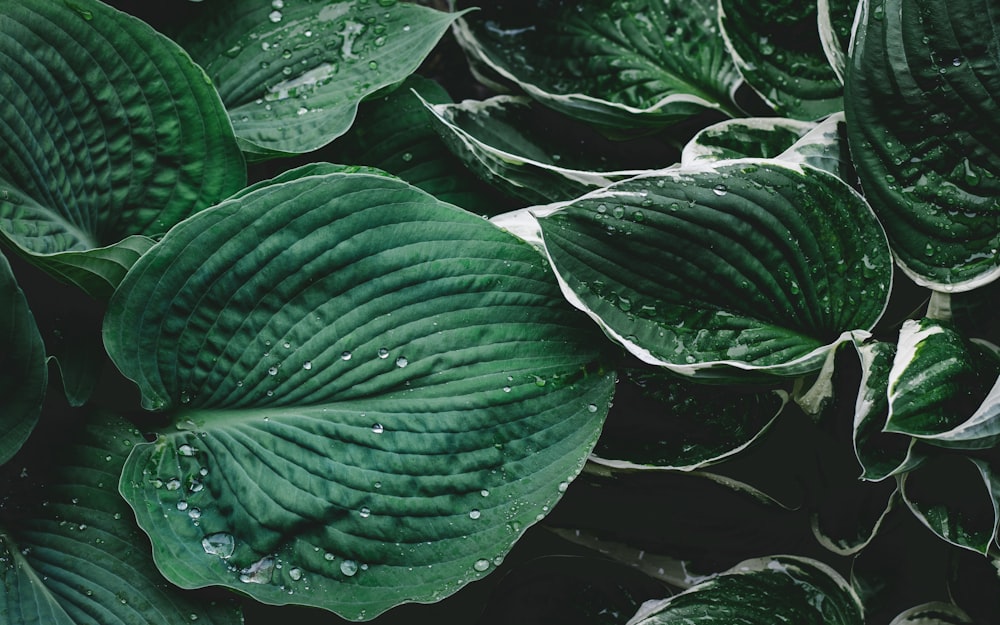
point(349, 567)
point(383, 353)
point(402, 362)
point(220, 544)
point(481, 565)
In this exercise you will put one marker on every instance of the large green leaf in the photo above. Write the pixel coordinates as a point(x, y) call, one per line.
point(923, 122)
point(126, 136)
point(776, 46)
point(763, 591)
point(292, 74)
point(372, 394)
point(742, 265)
point(395, 132)
point(662, 422)
point(622, 64)
point(70, 553)
point(937, 381)
point(22, 360)
point(958, 498)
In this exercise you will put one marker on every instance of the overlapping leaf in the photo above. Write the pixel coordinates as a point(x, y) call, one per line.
point(374, 394)
point(22, 360)
point(70, 553)
point(760, 592)
point(744, 265)
point(922, 112)
point(126, 136)
point(937, 381)
point(292, 74)
point(616, 64)
point(755, 137)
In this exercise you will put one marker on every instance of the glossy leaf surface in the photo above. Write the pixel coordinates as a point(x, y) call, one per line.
point(373, 392)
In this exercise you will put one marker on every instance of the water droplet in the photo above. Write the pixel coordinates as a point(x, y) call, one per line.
point(956, 61)
point(592, 408)
point(272, 371)
point(349, 567)
point(193, 616)
point(277, 4)
point(295, 574)
point(475, 514)
point(402, 362)
point(302, 111)
point(719, 189)
point(307, 365)
point(481, 565)
point(287, 71)
point(186, 450)
point(484, 493)
point(182, 505)
point(345, 355)
point(172, 484)
point(365, 512)
point(563, 486)
point(194, 513)
point(378, 428)
point(407, 156)
point(372, 65)
point(618, 212)
point(259, 572)
point(329, 557)
point(506, 389)
point(220, 544)
point(383, 353)
point(203, 472)
point(274, 16)
point(406, 28)
point(234, 51)
point(269, 394)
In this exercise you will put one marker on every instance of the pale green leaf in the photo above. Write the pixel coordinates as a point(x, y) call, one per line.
point(22, 360)
point(126, 137)
point(923, 122)
point(749, 265)
point(617, 64)
point(292, 76)
point(372, 394)
point(776, 46)
point(763, 591)
point(70, 552)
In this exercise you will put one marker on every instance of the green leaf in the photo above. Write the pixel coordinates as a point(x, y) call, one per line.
point(22, 359)
point(664, 422)
point(958, 498)
point(848, 516)
point(292, 76)
point(509, 142)
point(126, 137)
point(776, 46)
point(747, 265)
point(937, 381)
point(753, 137)
point(835, 21)
point(617, 64)
point(825, 147)
point(763, 591)
point(69, 551)
point(933, 613)
point(880, 453)
point(373, 394)
point(396, 133)
point(923, 119)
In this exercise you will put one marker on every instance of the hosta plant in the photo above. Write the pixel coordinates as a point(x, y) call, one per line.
point(533, 311)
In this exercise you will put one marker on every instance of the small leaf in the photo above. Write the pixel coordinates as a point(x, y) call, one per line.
point(616, 64)
point(761, 592)
point(936, 382)
point(933, 613)
point(923, 116)
point(292, 76)
point(662, 422)
point(372, 394)
point(126, 137)
point(747, 265)
point(880, 453)
point(22, 359)
point(957, 497)
point(777, 48)
point(754, 137)
point(69, 551)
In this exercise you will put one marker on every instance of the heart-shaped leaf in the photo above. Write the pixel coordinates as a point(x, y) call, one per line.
point(937, 380)
point(763, 591)
point(70, 553)
point(923, 116)
point(958, 498)
point(747, 265)
point(292, 74)
point(22, 359)
point(374, 394)
point(663, 422)
point(617, 64)
point(126, 137)
point(777, 48)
